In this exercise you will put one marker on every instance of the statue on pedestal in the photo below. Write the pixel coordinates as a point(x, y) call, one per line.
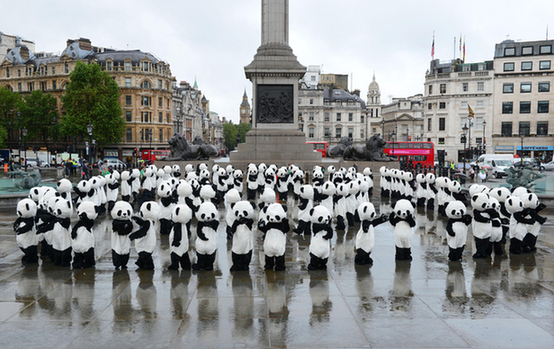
point(373, 150)
point(522, 175)
point(335, 151)
point(181, 150)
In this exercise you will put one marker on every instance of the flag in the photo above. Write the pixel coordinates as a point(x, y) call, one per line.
point(464, 57)
point(471, 115)
point(433, 47)
point(460, 41)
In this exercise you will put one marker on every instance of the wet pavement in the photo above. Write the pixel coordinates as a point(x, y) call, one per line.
point(429, 303)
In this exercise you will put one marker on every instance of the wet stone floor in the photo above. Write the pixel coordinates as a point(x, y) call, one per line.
point(503, 302)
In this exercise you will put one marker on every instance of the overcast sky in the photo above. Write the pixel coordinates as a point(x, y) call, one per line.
point(212, 40)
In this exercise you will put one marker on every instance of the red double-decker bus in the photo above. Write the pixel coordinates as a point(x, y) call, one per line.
point(320, 147)
point(419, 153)
point(154, 154)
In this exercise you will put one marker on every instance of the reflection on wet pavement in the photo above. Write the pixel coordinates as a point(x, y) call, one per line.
point(503, 302)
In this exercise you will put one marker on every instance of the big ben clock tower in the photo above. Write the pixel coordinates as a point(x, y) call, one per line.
point(245, 109)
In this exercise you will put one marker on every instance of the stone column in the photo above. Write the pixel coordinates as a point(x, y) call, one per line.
point(275, 22)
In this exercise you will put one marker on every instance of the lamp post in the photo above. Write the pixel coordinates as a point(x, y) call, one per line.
point(464, 139)
point(484, 136)
point(24, 132)
point(55, 142)
point(521, 154)
point(178, 117)
point(89, 131)
point(383, 126)
point(149, 132)
point(393, 135)
point(470, 122)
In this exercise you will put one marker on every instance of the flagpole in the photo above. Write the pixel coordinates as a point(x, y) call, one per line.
point(454, 48)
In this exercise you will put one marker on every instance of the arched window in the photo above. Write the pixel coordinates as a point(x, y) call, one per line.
point(145, 84)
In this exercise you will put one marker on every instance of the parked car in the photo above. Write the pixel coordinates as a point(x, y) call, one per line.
point(549, 166)
point(33, 162)
point(533, 162)
point(116, 164)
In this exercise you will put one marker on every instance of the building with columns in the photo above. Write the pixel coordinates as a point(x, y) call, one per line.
point(402, 119)
point(187, 109)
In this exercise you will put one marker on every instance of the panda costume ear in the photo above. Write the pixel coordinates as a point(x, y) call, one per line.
point(233, 205)
point(311, 212)
point(253, 205)
point(413, 204)
point(177, 211)
point(474, 198)
point(27, 207)
point(285, 208)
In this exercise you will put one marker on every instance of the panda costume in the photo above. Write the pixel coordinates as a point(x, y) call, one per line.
point(322, 233)
point(166, 205)
point(126, 186)
point(44, 222)
point(179, 237)
point(282, 183)
point(275, 236)
point(252, 183)
point(64, 189)
point(532, 203)
point(297, 180)
point(365, 239)
point(384, 183)
point(402, 219)
point(25, 230)
point(431, 191)
point(368, 175)
point(318, 178)
point(421, 191)
point(82, 236)
point(112, 190)
point(456, 229)
point(304, 207)
point(352, 202)
point(206, 240)
point(241, 251)
point(122, 226)
point(339, 200)
point(221, 184)
point(482, 226)
point(267, 198)
point(238, 181)
point(145, 236)
point(519, 221)
point(135, 184)
point(496, 230)
point(61, 237)
point(327, 192)
point(231, 198)
point(501, 194)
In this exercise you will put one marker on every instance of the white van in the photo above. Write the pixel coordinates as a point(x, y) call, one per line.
point(496, 163)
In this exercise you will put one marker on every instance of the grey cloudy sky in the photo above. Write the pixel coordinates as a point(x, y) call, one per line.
point(213, 40)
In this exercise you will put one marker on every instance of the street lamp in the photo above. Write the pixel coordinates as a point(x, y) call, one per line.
point(149, 132)
point(470, 122)
point(89, 130)
point(178, 117)
point(55, 142)
point(383, 127)
point(24, 132)
point(464, 140)
point(521, 155)
point(484, 137)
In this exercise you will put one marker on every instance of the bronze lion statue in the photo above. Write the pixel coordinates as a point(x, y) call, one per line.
point(335, 151)
point(181, 150)
point(373, 150)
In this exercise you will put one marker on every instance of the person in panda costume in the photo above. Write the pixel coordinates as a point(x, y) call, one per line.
point(232, 197)
point(519, 221)
point(122, 226)
point(365, 239)
point(409, 185)
point(45, 222)
point(403, 220)
point(456, 192)
point(64, 187)
point(496, 228)
point(482, 225)
point(282, 183)
point(82, 236)
point(275, 232)
point(352, 202)
point(184, 193)
point(61, 237)
point(25, 230)
point(135, 184)
point(238, 181)
point(252, 183)
point(327, 192)
point(208, 194)
point(368, 175)
point(126, 181)
point(267, 198)
point(340, 207)
point(338, 178)
point(383, 182)
point(318, 178)
point(261, 177)
point(145, 236)
point(443, 195)
point(221, 184)
point(179, 237)
point(206, 240)
point(175, 171)
point(431, 191)
point(241, 250)
point(531, 202)
point(297, 181)
point(456, 229)
point(421, 191)
point(166, 205)
point(112, 190)
point(229, 169)
point(322, 233)
point(501, 194)
point(304, 207)
point(149, 181)
point(270, 178)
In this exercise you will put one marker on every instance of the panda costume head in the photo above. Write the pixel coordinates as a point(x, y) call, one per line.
point(207, 192)
point(307, 192)
point(229, 169)
point(181, 214)
point(514, 204)
point(420, 178)
point(366, 211)
point(26, 208)
point(342, 189)
point(331, 170)
point(231, 197)
point(268, 196)
point(63, 209)
point(165, 189)
point(206, 212)
point(530, 201)
point(367, 171)
point(150, 210)
point(237, 175)
point(476, 188)
point(521, 192)
point(87, 211)
point(189, 168)
point(455, 209)
point(135, 173)
point(318, 175)
point(320, 215)
point(84, 186)
point(275, 213)
point(480, 201)
point(403, 209)
point(35, 193)
point(243, 210)
point(176, 171)
point(454, 187)
point(184, 189)
point(125, 176)
point(500, 193)
point(122, 210)
point(328, 188)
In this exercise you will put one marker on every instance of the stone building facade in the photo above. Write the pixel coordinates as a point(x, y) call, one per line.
point(403, 119)
point(187, 110)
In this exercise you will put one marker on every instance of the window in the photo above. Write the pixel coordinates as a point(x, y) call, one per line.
point(146, 101)
point(542, 107)
point(43, 85)
point(338, 132)
point(30, 86)
point(168, 118)
point(350, 132)
point(311, 116)
point(466, 67)
point(463, 104)
point(430, 89)
point(508, 88)
point(442, 124)
point(524, 128)
point(339, 117)
point(545, 49)
point(66, 66)
point(161, 135)
point(429, 106)
point(129, 135)
point(160, 102)
point(478, 140)
point(506, 129)
point(327, 132)
point(127, 82)
point(544, 65)
point(481, 67)
point(310, 132)
point(160, 84)
point(362, 134)
point(109, 65)
point(145, 68)
point(160, 117)
point(350, 116)
point(145, 116)
point(361, 119)
point(524, 107)
point(299, 100)
point(510, 51)
point(526, 65)
point(19, 87)
point(526, 50)
point(465, 87)
point(463, 122)
point(326, 117)
point(429, 123)
point(312, 78)
point(507, 107)
point(542, 128)
point(311, 101)
point(479, 123)
point(442, 105)
point(443, 88)
point(480, 104)
point(127, 65)
point(145, 84)
point(128, 116)
point(480, 86)
point(509, 66)
point(128, 100)
point(544, 86)
point(441, 140)
point(525, 87)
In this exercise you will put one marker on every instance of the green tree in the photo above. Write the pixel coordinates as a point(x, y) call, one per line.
point(242, 129)
point(92, 96)
point(230, 133)
point(9, 102)
point(38, 112)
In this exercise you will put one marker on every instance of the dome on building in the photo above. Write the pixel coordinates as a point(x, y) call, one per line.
point(373, 85)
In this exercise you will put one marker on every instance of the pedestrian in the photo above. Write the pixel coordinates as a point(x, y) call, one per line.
point(483, 175)
point(471, 173)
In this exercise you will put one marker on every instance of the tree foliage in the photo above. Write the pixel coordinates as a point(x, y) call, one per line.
point(9, 102)
point(38, 113)
point(92, 96)
point(231, 131)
